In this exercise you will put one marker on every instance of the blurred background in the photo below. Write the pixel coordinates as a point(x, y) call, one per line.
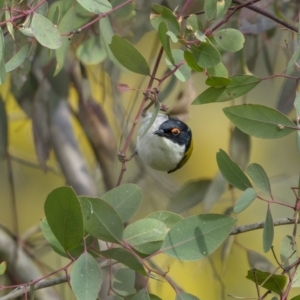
point(78, 144)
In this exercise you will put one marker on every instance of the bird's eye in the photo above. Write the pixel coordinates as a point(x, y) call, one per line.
point(175, 131)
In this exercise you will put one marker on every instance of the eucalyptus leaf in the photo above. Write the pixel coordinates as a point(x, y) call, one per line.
point(232, 172)
point(183, 73)
point(206, 55)
point(180, 295)
point(260, 121)
point(245, 200)
point(259, 177)
point(18, 59)
point(165, 40)
point(190, 60)
point(268, 232)
point(229, 39)
point(123, 281)
point(129, 56)
point(167, 217)
point(3, 130)
point(96, 6)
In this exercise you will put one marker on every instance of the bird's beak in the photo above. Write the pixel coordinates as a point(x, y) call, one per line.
point(159, 132)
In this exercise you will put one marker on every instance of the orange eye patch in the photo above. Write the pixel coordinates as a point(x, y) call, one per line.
point(175, 131)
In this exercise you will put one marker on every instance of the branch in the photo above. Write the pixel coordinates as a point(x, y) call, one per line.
point(268, 15)
point(259, 225)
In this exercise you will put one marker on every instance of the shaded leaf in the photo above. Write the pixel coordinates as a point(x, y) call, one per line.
point(248, 196)
point(193, 23)
point(95, 6)
point(229, 39)
point(129, 56)
point(167, 217)
point(161, 14)
point(101, 220)
point(123, 281)
point(206, 55)
point(18, 59)
point(145, 235)
point(232, 172)
point(273, 282)
point(125, 199)
point(268, 232)
point(198, 236)
point(260, 121)
point(141, 295)
point(259, 261)
point(218, 70)
point(259, 177)
point(190, 60)
point(125, 257)
point(9, 25)
point(64, 216)
point(86, 277)
point(45, 32)
point(239, 86)
point(164, 39)
point(191, 194)
point(293, 61)
point(183, 73)
point(215, 9)
point(2, 64)
point(217, 81)
point(239, 147)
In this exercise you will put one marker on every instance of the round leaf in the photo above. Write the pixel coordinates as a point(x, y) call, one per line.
point(45, 32)
point(229, 39)
point(125, 199)
point(245, 200)
point(101, 220)
point(86, 277)
point(260, 121)
point(64, 216)
point(129, 56)
point(198, 236)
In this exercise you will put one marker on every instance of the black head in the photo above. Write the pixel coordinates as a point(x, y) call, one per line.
point(175, 130)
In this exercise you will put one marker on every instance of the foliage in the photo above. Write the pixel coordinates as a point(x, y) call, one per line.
point(45, 45)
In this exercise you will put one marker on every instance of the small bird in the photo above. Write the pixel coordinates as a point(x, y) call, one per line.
point(167, 145)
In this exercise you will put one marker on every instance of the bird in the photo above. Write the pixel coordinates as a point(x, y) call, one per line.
point(167, 145)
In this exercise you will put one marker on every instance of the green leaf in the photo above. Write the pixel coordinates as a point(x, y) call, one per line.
point(193, 23)
point(9, 25)
point(167, 217)
point(2, 267)
point(198, 236)
point(229, 39)
point(129, 56)
point(218, 70)
point(161, 14)
point(18, 59)
point(259, 177)
point(65, 25)
point(95, 6)
point(258, 261)
point(3, 130)
point(86, 277)
point(268, 232)
point(215, 9)
point(45, 32)
point(2, 64)
point(123, 281)
point(245, 200)
point(191, 62)
point(91, 52)
point(183, 73)
point(180, 295)
point(293, 61)
point(125, 257)
point(101, 220)
point(64, 216)
point(165, 40)
point(141, 295)
point(272, 282)
point(217, 81)
point(260, 121)
point(154, 297)
point(191, 194)
point(145, 235)
point(125, 199)
point(51, 239)
point(289, 255)
point(232, 172)
point(239, 86)
point(206, 55)
point(294, 298)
